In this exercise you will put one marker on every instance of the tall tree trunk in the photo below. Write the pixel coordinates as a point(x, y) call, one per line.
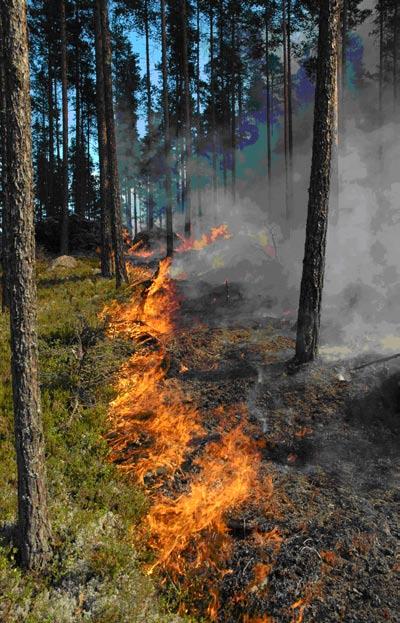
point(233, 98)
point(105, 216)
point(188, 133)
point(309, 316)
point(343, 69)
point(33, 523)
point(198, 116)
point(3, 161)
point(223, 90)
point(167, 133)
point(79, 208)
point(50, 102)
point(268, 80)
point(150, 200)
point(380, 87)
point(288, 139)
point(64, 87)
point(212, 104)
point(116, 221)
point(135, 214)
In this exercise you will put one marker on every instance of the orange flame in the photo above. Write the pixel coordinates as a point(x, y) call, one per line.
point(191, 244)
point(153, 425)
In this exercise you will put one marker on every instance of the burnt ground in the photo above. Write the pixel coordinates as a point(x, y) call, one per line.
point(332, 448)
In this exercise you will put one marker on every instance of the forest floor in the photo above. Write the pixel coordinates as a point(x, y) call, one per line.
point(331, 446)
point(315, 539)
point(95, 574)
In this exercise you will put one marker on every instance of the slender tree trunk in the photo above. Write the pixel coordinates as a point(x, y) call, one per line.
point(135, 215)
point(78, 178)
point(116, 221)
point(224, 99)
point(288, 140)
point(212, 103)
point(150, 201)
point(105, 216)
point(50, 188)
point(188, 134)
point(233, 98)
point(309, 316)
point(290, 99)
point(167, 133)
point(64, 87)
point(198, 116)
point(33, 523)
point(268, 77)
point(57, 116)
point(380, 91)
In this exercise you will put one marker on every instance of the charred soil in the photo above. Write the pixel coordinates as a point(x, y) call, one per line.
point(284, 504)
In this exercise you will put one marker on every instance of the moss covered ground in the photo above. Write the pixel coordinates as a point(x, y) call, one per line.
point(95, 573)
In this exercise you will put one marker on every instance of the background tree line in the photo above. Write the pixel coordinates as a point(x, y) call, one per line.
point(182, 124)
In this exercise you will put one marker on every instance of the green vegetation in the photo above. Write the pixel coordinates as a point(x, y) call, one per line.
point(95, 575)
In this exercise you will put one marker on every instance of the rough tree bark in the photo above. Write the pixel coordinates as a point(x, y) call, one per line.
point(116, 220)
point(64, 88)
point(167, 132)
point(33, 523)
point(309, 315)
point(105, 217)
point(3, 198)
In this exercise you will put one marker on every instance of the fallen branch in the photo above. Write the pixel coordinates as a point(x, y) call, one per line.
point(371, 363)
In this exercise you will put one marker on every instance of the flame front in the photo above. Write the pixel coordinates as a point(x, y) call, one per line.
point(190, 244)
point(154, 425)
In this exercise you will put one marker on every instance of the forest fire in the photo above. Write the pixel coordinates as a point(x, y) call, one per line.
point(191, 244)
point(155, 429)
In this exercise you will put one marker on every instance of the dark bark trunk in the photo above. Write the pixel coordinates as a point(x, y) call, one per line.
point(3, 154)
point(167, 133)
point(198, 116)
point(33, 523)
point(268, 80)
point(64, 87)
point(116, 221)
point(105, 217)
point(309, 316)
point(78, 178)
point(135, 215)
point(188, 134)
point(212, 103)
point(150, 201)
point(233, 99)
point(57, 116)
point(288, 140)
point(380, 88)
point(343, 70)
point(50, 183)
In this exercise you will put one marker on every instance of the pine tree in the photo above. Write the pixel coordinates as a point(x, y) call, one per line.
point(33, 523)
point(309, 315)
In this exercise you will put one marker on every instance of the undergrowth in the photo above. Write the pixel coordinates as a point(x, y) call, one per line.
point(95, 572)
